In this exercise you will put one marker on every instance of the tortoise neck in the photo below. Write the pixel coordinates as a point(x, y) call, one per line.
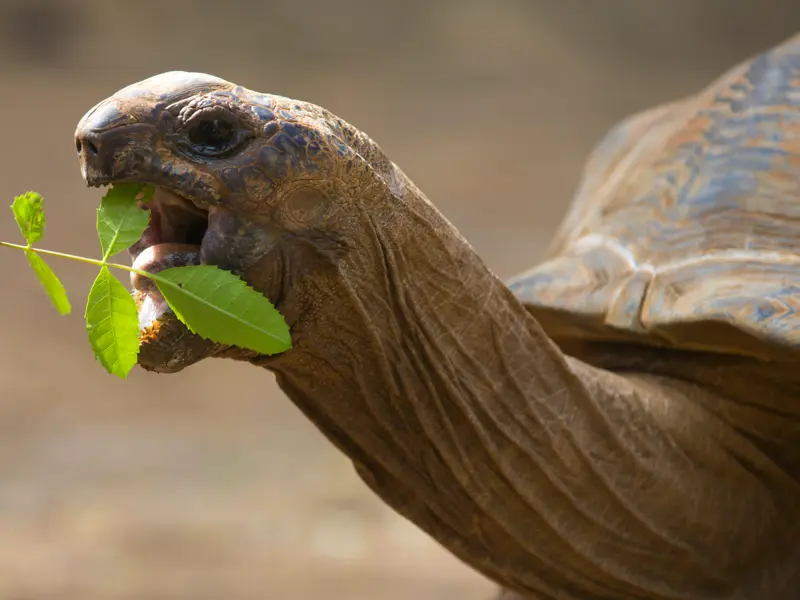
point(415, 323)
point(419, 361)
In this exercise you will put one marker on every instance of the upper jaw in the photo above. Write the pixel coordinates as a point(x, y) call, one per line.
point(112, 154)
point(96, 179)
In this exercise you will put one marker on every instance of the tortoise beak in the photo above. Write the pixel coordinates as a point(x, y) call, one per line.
point(109, 156)
point(95, 165)
point(112, 145)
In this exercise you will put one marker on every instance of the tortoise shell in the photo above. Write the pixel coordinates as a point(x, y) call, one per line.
point(685, 229)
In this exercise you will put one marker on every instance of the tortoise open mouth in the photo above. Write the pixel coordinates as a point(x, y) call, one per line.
point(173, 238)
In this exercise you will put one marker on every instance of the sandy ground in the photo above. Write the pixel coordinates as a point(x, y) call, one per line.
point(210, 484)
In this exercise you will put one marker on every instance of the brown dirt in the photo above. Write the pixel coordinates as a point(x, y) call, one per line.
point(209, 484)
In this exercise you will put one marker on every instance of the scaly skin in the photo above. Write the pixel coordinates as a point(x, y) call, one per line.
point(632, 473)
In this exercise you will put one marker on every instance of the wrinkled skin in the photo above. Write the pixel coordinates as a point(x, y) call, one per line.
point(593, 471)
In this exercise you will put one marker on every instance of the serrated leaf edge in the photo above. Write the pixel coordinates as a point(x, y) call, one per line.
point(113, 366)
point(237, 282)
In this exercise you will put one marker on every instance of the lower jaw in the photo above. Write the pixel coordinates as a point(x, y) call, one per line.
point(151, 307)
point(165, 344)
point(168, 347)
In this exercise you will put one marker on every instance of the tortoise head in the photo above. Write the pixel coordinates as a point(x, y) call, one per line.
point(269, 188)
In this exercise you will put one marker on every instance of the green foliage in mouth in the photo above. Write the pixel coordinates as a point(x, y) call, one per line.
point(213, 303)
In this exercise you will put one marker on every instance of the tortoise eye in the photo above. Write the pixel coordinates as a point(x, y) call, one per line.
point(212, 136)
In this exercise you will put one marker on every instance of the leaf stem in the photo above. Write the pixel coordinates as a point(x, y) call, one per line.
point(83, 259)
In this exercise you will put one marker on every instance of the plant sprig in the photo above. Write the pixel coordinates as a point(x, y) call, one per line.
point(213, 303)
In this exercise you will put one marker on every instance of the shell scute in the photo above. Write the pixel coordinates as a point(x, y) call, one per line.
point(685, 228)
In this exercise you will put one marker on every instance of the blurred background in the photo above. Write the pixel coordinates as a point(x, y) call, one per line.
point(209, 484)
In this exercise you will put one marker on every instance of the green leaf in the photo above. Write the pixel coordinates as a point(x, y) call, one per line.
point(120, 222)
point(50, 282)
point(218, 305)
point(112, 324)
point(28, 211)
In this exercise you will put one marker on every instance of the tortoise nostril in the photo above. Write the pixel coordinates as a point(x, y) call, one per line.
point(86, 143)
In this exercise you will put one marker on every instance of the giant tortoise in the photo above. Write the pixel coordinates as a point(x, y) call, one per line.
point(620, 422)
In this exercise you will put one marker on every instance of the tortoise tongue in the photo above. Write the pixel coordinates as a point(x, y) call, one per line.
point(154, 260)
